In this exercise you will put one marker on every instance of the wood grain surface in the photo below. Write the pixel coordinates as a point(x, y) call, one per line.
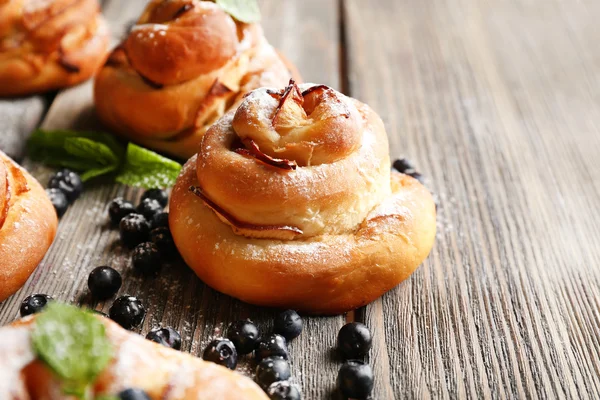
point(498, 105)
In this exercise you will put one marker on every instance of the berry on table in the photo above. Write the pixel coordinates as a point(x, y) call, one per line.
point(288, 324)
point(168, 337)
point(403, 165)
point(272, 346)
point(157, 194)
point(118, 209)
point(67, 181)
point(34, 304)
point(146, 258)
point(354, 340)
point(134, 229)
point(284, 390)
point(127, 311)
point(104, 282)
point(149, 208)
point(160, 220)
point(133, 394)
point(162, 238)
point(59, 200)
point(244, 335)
point(221, 351)
point(272, 369)
point(355, 379)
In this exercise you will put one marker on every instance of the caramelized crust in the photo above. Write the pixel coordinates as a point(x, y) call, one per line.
point(188, 62)
point(27, 225)
point(47, 45)
point(137, 363)
point(330, 235)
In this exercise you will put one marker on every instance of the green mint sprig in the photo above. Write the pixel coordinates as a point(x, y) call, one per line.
point(243, 10)
point(94, 154)
point(73, 344)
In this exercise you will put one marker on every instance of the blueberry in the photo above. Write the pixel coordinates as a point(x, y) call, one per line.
point(354, 340)
point(284, 390)
point(272, 346)
point(133, 394)
point(127, 311)
point(146, 258)
point(149, 208)
point(134, 229)
point(104, 282)
point(355, 379)
point(67, 181)
point(272, 369)
point(160, 220)
point(288, 324)
point(34, 304)
point(403, 165)
point(118, 209)
point(244, 335)
point(221, 351)
point(162, 238)
point(168, 337)
point(157, 194)
point(416, 175)
point(59, 200)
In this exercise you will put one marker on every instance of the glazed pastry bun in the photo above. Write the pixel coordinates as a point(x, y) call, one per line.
point(182, 66)
point(290, 203)
point(137, 363)
point(27, 225)
point(47, 45)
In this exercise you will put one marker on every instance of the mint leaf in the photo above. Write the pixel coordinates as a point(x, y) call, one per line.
point(73, 344)
point(147, 169)
point(90, 153)
point(243, 10)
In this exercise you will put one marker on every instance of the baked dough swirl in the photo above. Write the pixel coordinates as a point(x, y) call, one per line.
point(27, 225)
point(180, 68)
point(290, 203)
point(47, 45)
point(163, 373)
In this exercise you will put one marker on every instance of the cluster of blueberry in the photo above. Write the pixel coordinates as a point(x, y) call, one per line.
point(145, 228)
point(270, 352)
point(64, 187)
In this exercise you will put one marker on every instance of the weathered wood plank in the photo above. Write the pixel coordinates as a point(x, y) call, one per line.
point(18, 117)
point(177, 297)
point(497, 103)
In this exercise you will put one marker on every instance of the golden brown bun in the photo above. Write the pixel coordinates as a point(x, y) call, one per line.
point(329, 236)
point(27, 225)
point(181, 67)
point(137, 363)
point(47, 45)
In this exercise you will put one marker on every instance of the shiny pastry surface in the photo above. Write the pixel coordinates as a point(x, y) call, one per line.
point(182, 66)
point(27, 225)
point(163, 373)
point(46, 45)
point(290, 203)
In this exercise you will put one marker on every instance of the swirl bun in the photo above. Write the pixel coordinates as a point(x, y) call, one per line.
point(290, 202)
point(163, 373)
point(188, 61)
point(27, 225)
point(47, 45)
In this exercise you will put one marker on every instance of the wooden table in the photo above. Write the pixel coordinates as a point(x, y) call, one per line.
point(498, 103)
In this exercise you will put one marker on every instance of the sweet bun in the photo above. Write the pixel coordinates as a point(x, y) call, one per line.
point(137, 363)
point(181, 67)
point(290, 203)
point(46, 45)
point(27, 225)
